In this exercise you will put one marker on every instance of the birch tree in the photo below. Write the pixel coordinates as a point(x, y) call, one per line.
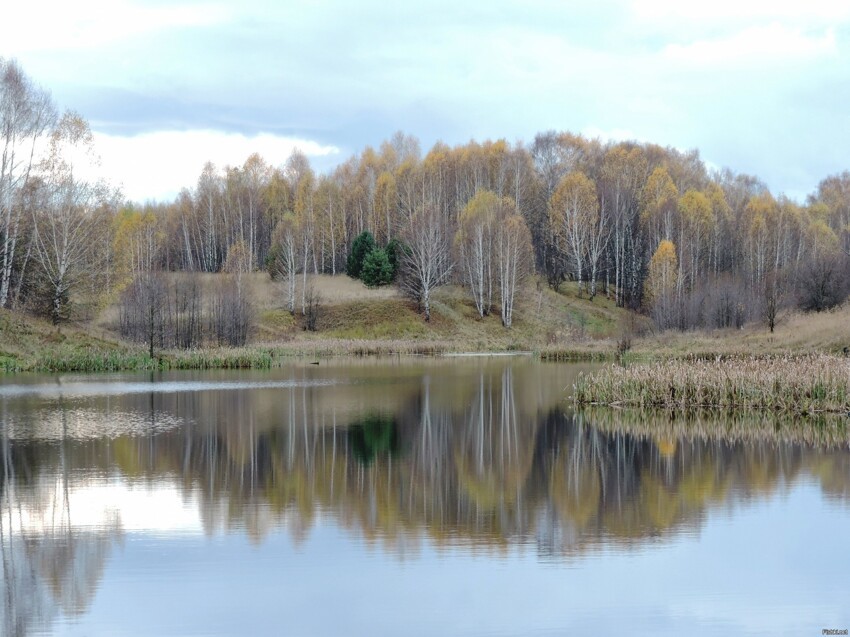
point(574, 213)
point(63, 228)
point(474, 246)
point(285, 250)
point(427, 259)
point(26, 116)
point(514, 260)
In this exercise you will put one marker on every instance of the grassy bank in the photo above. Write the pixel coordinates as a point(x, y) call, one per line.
point(804, 384)
point(796, 333)
point(355, 320)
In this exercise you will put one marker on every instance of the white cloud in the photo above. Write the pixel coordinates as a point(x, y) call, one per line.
point(774, 43)
point(89, 24)
point(730, 11)
point(611, 135)
point(158, 165)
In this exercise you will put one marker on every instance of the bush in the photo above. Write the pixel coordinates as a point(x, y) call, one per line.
point(231, 315)
point(360, 249)
point(312, 308)
point(377, 269)
point(395, 251)
point(823, 282)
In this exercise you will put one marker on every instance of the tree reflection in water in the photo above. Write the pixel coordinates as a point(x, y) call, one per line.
point(483, 465)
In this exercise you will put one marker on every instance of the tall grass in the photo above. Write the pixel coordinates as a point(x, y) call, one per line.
point(223, 358)
point(576, 355)
point(10, 364)
point(91, 360)
point(326, 347)
point(788, 384)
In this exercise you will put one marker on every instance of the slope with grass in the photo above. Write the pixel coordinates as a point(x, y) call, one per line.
point(795, 333)
point(352, 312)
point(358, 320)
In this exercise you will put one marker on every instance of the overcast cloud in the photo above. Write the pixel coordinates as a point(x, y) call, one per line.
point(761, 87)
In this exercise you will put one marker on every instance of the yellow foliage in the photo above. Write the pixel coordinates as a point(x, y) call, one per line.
point(663, 272)
point(659, 196)
point(136, 243)
point(574, 201)
point(696, 211)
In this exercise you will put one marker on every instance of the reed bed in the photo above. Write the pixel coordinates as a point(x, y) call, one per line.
point(806, 384)
point(10, 365)
point(824, 430)
point(91, 360)
point(356, 347)
point(224, 358)
point(577, 356)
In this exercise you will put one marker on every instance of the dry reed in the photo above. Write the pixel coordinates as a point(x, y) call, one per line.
point(788, 384)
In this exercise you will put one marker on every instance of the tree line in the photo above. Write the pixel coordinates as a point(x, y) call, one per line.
point(650, 227)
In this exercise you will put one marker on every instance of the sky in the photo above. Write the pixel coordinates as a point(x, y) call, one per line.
point(759, 86)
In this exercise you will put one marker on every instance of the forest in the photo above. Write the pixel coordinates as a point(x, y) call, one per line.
point(650, 227)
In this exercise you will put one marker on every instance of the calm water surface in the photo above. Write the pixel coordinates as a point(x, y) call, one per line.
point(406, 497)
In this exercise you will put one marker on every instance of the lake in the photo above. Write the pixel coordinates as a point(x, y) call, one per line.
point(447, 496)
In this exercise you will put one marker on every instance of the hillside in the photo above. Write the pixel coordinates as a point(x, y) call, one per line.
point(358, 320)
point(353, 319)
point(350, 311)
point(796, 332)
point(28, 342)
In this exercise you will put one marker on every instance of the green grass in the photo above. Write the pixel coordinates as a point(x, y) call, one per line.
point(91, 360)
point(223, 358)
point(576, 355)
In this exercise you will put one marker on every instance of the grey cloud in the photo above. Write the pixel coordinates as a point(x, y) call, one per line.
point(349, 74)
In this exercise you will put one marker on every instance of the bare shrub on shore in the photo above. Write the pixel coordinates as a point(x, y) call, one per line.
point(162, 312)
point(823, 282)
point(313, 308)
point(231, 313)
point(142, 310)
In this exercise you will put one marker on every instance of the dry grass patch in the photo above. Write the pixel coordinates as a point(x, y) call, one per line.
point(390, 319)
point(796, 333)
point(331, 289)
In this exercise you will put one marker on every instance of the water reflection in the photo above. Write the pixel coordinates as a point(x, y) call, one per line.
point(482, 456)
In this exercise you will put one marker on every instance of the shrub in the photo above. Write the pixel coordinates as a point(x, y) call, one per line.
point(377, 269)
point(823, 282)
point(231, 315)
point(312, 308)
point(362, 246)
point(395, 251)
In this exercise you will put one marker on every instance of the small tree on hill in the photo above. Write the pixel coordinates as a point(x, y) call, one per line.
point(362, 246)
point(395, 251)
point(377, 270)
